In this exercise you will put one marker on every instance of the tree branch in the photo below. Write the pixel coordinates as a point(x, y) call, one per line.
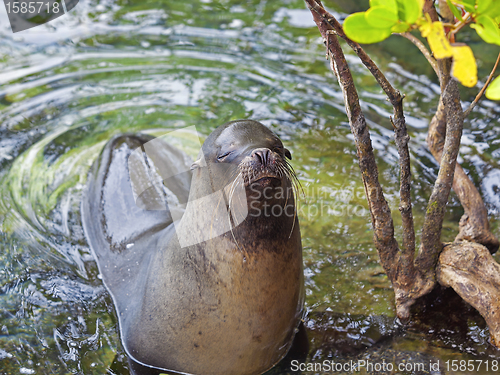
point(431, 232)
point(399, 266)
point(399, 123)
point(423, 49)
point(474, 225)
point(379, 209)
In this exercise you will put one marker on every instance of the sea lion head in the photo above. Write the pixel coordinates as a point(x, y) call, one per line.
point(245, 152)
point(242, 185)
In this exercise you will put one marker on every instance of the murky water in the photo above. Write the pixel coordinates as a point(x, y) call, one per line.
point(119, 66)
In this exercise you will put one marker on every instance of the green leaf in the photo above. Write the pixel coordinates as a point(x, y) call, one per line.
point(469, 5)
point(455, 11)
point(358, 29)
point(381, 17)
point(390, 4)
point(409, 10)
point(487, 29)
point(483, 6)
point(493, 10)
point(400, 27)
point(493, 90)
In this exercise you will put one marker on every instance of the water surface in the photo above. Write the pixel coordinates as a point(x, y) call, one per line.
point(119, 66)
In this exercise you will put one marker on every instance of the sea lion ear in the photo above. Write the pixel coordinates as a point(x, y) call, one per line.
point(288, 154)
point(196, 164)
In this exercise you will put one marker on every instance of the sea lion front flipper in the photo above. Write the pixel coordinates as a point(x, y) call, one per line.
point(124, 205)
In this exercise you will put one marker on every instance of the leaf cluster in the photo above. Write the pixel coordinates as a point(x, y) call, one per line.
point(386, 17)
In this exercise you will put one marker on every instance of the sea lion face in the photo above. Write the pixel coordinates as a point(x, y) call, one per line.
point(246, 152)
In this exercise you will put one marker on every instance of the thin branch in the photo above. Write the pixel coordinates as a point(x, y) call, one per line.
point(476, 100)
point(474, 225)
point(431, 232)
point(405, 207)
point(423, 49)
point(324, 17)
point(460, 25)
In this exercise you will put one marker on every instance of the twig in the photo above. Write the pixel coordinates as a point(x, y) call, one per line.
point(324, 17)
point(460, 25)
point(423, 49)
point(480, 94)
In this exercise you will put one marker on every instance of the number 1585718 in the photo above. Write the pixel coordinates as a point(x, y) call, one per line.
point(35, 7)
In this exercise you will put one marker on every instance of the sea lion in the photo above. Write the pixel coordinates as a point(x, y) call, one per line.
point(219, 291)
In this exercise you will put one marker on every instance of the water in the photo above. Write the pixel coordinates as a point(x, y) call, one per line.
point(128, 66)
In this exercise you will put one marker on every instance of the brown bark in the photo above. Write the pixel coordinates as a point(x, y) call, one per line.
point(472, 272)
point(328, 25)
point(431, 232)
point(474, 225)
point(380, 212)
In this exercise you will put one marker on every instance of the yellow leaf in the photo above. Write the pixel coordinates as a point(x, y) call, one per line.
point(425, 26)
point(464, 66)
point(434, 32)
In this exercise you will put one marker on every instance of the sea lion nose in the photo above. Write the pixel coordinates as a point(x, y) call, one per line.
point(263, 155)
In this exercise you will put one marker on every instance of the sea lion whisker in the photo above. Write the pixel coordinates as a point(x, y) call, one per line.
point(239, 220)
point(232, 189)
point(230, 174)
point(297, 186)
point(292, 176)
point(293, 222)
point(222, 196)
point(284, 173)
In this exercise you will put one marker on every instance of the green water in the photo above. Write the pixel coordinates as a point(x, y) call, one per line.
point(116, 66)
